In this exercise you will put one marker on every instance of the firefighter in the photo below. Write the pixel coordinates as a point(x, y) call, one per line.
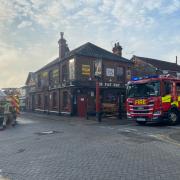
point(15, 109)
point(14, 116)
point(6, 113)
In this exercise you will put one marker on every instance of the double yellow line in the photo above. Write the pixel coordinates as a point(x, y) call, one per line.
point(166, 138)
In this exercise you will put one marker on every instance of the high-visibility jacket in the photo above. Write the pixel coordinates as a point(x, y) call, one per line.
point(6, 108)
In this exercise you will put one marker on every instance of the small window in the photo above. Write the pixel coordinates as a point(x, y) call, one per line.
point(50, 78)
point(39, 100)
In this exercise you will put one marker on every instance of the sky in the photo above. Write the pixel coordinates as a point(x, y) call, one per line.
point(30, 30)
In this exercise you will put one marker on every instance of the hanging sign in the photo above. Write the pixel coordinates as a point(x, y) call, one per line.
point(85, 70)
point(71, 69)
point(110, 72)
point(98, 68)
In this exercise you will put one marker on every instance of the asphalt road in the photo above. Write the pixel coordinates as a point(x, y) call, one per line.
point(44, 147)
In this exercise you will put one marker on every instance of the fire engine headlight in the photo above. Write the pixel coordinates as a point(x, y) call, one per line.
point(157, 113)
point(128, 114)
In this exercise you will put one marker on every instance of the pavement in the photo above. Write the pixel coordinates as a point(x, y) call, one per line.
point(44, 147)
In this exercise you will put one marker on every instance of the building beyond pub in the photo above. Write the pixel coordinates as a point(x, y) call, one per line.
point(67, 84)
point(144, 66)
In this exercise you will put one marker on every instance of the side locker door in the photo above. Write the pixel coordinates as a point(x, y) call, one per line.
point(167, 95)
point(178, 94)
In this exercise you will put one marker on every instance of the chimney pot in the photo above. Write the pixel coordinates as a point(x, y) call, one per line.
point(117, 49)
point(62, 34)
point(63, 47)
point(176, 60)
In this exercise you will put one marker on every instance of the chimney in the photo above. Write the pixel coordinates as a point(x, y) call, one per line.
point(63, 47)
point(176, 60)
point(117, 49)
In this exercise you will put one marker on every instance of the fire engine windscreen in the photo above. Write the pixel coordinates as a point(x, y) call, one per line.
point(143, 89)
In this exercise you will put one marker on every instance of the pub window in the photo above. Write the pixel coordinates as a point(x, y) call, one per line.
point(65, 99)
point(39, 80)
point(64, 72)
point(46, 101)
point(54, 99)
point(50, 78)
point(120, 73)
point(39, 100)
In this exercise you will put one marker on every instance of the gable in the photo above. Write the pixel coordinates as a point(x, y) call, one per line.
point(31, 79)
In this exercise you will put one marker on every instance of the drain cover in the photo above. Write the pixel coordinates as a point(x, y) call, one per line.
point(47, 132)
point(20, 150)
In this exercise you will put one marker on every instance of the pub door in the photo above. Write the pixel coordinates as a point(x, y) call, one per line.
point(82, 105)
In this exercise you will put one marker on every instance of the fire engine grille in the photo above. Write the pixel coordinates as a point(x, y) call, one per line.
point(143, 112)
point(141, 109)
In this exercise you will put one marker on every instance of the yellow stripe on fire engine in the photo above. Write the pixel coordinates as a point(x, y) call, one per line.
point(17, 105)
point(175, 103)
point(178, 98)
point(17, 100)
point(166, 99)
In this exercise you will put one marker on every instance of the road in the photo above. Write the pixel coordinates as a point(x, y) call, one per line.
point(44, 147)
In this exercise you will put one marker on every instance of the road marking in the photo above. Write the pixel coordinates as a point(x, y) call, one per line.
point(165, 138)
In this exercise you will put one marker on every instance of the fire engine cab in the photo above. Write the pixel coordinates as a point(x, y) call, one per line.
point(153, 99)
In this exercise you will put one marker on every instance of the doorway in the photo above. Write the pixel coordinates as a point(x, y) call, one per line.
point(82, 105)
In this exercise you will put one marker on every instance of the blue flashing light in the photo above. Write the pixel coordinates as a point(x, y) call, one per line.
point(145, 77)
point(136, 78)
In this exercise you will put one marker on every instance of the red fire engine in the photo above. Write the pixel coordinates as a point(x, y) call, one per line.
point(153, 99)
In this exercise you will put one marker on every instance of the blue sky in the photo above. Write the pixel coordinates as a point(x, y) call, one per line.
point(29, 31)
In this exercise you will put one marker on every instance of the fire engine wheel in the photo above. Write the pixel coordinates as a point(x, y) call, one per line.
point(141, 122)
point(173, 117)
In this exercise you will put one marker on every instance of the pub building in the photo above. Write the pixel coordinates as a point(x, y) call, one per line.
point(67, 85)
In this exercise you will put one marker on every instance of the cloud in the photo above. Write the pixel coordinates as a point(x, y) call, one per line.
point(143, 27)
point(7, 11)
point(16, 63)
point(24, 24)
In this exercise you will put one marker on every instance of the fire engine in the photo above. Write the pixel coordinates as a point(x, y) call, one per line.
point(153, 99)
